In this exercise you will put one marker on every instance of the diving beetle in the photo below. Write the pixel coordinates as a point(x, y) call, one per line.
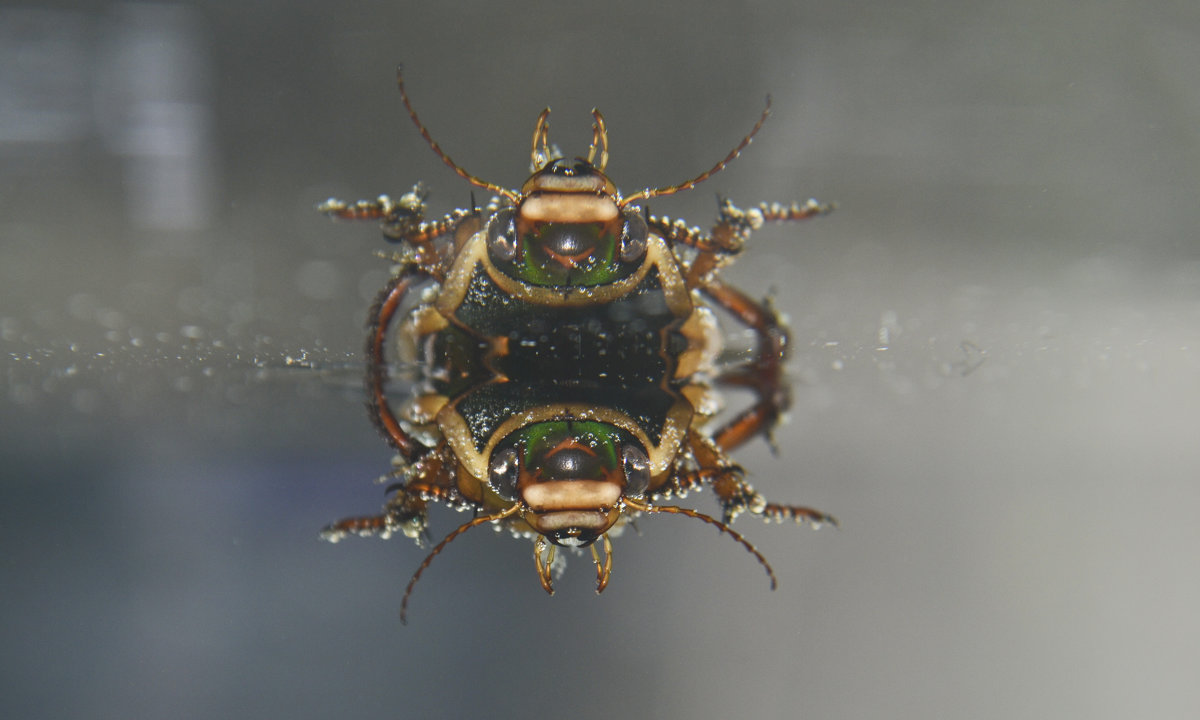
point(568, 342)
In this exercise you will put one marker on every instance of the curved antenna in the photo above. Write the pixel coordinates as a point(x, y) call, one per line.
point(438, 548)
point(438, 149)
point(674, 509)
point(599, 137)
point(539, 155)
point(671, 190)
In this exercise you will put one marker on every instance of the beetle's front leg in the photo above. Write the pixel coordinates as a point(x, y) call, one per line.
point(712, 468)
point(403, 220)
point(399, 218)
point(432, 478)
point(403, 513)
point(729, 234)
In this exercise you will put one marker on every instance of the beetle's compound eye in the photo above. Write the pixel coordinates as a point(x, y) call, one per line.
point(637, 470)
point(633, 235)
point(502, 235)
point(502, 473)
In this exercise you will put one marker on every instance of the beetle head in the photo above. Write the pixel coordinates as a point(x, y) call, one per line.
point(568, 227)
point(569, 476)
point(570, 481)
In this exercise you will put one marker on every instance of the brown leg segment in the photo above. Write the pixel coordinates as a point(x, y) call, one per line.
point(716, 471)
point(763, 374)
point(430, 478)
point(400, 219)
point(404, 514)
point(403, 221)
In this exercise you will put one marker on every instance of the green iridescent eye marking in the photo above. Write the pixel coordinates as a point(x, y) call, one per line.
point(541, 438)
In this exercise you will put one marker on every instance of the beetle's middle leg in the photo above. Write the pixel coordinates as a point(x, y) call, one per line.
point(403, 221)
point(430, 478)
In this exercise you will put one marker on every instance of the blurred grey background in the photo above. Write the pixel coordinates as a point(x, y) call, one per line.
point(996, 359)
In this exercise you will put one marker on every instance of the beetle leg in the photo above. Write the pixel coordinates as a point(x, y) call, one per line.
point(686, 481)
point(403, 513)
point(433, 477)
point(774, 512)
point(403, 220)
point(427, 232)
point(677, 232)
point(729, 484)
point(428, 473)
point(382, 526)
point(398, 217)
point(378, 320)
point(712, 468)
point(430, 478)
point(763, 374)
point(734, 494)
point(729, 234)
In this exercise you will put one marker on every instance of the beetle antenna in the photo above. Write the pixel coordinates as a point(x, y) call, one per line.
point(599, 137)
point(671, 190)
point(438, 548)
point(674, 509)
point(540, 153)
point(438, 148)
